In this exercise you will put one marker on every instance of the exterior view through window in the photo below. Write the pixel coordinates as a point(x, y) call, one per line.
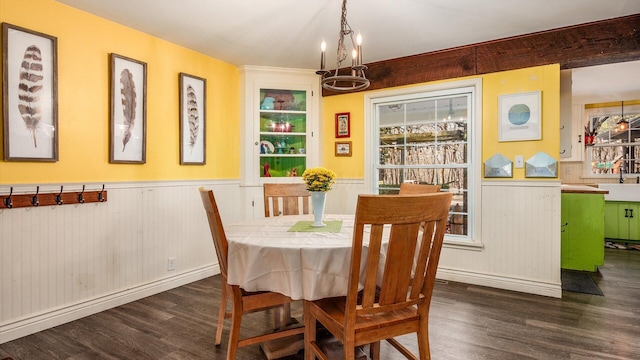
point(615, 145)
point(425, 141)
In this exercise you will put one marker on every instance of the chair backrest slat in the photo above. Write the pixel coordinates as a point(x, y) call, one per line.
point(373, 258)
point(400, 253)
point(414, 231)
point(294, 199)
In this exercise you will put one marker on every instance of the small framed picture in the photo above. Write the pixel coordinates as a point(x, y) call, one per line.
point(128, 131)
point(343, 148)
point(519, 117)
point(343, 125)
point(29, 95)
point(193, 97)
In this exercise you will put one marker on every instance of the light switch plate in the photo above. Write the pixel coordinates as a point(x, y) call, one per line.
point(519, 162)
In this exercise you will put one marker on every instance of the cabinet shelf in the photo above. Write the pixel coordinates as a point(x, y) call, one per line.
point(282, 155)
point(278, 133)
point(283, 111)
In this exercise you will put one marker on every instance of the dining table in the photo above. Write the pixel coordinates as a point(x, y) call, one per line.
point(286, 254)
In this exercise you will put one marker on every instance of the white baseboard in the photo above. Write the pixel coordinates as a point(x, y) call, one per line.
point(525, 286)
point(16, 329)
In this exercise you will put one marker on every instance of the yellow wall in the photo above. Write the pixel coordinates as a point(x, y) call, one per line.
point(84, 44)
point(543, 78)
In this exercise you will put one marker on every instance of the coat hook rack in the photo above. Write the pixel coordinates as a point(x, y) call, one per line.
point(7, 201)
point(101, 197)
point(34, 198)
point(81, 196)
point(59, 200)
point(37, 199)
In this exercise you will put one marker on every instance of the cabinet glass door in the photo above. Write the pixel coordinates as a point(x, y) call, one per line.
point(283, 132)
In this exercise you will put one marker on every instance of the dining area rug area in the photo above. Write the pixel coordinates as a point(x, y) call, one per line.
point(580, 282)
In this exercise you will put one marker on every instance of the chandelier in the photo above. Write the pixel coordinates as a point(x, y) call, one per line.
point(344, 83)
point(622, 123)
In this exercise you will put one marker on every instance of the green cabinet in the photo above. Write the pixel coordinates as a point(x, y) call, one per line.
point(582, 231)
point(622, 220)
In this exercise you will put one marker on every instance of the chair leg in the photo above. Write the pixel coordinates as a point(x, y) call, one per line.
point(309, 332)
point(222, 311)
point(374, 350)
point(234, 332)
point(349, 350)
point(282, 317)
point(423, 340)
point(287, 314)
point(277, 319)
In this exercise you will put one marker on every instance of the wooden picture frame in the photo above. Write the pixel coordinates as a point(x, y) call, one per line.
point(343, 148)
point(128, 95)
point(29, 95)
point(343, 125)
point(193, 100)
point(520, 116)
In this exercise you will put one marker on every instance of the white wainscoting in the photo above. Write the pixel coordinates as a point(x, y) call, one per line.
point(519, 236)
point(60, 263)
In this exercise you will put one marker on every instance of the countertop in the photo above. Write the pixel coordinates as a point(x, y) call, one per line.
point(582, 189)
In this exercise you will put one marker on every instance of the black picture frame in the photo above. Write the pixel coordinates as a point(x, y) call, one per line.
point(29, 95)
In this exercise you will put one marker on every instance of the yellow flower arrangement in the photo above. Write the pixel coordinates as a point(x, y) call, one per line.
point(319, 179)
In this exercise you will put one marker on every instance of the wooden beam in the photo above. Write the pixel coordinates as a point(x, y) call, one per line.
point(596, 43)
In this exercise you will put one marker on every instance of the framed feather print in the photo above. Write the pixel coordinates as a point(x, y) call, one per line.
point(128, 128)
point(193, 96)
point(29, 95)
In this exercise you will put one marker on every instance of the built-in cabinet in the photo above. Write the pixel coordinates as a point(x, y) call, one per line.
point(582, 231)
point(572, 134)
point(282, 132)
point(622, 220)
point(280, 128)
point(571, 121)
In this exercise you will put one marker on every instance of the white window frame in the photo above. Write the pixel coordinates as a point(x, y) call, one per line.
point(473, 86)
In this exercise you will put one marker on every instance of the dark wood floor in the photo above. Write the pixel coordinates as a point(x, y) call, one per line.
point(467, 322)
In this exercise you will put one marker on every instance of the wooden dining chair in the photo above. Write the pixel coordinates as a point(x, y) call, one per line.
point(242, 302)
point(410, 188)
point(289, 196)
point(398, 302)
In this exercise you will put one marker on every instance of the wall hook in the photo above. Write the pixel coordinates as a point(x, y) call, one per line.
point(34, 198)
point(7, 201)
point(100, 196)
point(59, 196)
point(81, 196)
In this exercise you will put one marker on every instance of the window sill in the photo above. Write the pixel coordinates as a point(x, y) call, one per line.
point(462, 245)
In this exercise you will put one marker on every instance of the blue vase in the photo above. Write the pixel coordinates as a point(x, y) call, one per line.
point(317, 202)
point(267, 103)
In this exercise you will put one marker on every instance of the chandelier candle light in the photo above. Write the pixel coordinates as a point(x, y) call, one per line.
point(344, 83)
point(319, 180)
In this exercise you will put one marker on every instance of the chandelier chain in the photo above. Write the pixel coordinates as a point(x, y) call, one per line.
point(357, 79)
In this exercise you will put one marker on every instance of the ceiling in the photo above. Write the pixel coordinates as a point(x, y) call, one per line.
point(288, 33)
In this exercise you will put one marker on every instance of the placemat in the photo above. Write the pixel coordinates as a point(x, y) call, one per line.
point(333, 226)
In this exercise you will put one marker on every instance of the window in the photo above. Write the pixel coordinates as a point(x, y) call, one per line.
point(427, 137)
point(615, 147)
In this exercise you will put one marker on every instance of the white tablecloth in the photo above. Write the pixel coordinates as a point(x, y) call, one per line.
point(264, 256)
